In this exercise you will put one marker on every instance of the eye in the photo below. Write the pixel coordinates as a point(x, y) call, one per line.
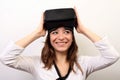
point(67, 32)
point(54, 32)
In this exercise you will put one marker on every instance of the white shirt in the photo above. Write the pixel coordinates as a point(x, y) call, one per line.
point(33, 64)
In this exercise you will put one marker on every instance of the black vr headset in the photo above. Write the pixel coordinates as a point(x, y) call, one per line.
point(55, 18)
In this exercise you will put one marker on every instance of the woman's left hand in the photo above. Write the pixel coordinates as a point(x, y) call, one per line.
point(80, 28)
point(83, 30)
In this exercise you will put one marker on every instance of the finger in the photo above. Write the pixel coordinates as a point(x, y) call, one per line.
point(76, 12)
point(42, 18)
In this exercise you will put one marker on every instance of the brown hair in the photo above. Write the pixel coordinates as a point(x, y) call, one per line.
point(48, 54)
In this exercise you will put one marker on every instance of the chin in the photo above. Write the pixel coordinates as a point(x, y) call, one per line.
point(62, 50)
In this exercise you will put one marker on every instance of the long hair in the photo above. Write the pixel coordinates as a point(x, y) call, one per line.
point(48, 54)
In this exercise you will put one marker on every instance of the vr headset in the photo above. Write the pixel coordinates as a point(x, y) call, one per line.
point(55, 18)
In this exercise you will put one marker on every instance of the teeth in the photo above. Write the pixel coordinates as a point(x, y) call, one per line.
point(60, 42)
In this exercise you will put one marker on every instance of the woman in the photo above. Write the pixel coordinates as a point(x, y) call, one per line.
point(59, 60)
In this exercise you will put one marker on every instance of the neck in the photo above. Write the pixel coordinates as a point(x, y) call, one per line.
point(61, 57)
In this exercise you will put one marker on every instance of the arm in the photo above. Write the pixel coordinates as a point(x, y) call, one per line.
point(11, 55)
point(108, 56)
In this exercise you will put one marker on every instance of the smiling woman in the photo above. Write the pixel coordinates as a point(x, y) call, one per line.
point(59, 58)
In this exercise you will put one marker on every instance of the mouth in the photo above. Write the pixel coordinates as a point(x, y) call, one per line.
point(61, 43)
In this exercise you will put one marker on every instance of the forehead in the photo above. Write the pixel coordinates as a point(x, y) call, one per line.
point(62, 28)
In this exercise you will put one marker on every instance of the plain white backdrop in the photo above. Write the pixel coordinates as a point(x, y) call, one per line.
point(20, 17)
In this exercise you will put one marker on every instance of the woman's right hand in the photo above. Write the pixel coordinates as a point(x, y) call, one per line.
point(37, 33)
point(40, 31)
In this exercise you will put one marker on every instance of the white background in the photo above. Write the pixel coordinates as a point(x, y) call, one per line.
point(20, 17)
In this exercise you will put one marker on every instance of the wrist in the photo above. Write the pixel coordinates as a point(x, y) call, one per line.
point(82, 30)
point(38, 33)
point(35, 34)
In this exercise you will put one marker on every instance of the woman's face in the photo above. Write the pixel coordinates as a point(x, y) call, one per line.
point(61, 39)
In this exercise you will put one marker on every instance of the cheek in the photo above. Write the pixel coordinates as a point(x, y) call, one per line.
point(52, 39)
point(70, 38)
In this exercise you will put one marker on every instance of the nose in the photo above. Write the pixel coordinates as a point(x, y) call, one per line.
point(61, 36)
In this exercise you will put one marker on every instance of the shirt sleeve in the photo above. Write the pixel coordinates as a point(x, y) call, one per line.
point(108, 56)
point(12, 58)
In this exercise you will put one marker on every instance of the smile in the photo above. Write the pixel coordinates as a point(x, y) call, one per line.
point(61, 43)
